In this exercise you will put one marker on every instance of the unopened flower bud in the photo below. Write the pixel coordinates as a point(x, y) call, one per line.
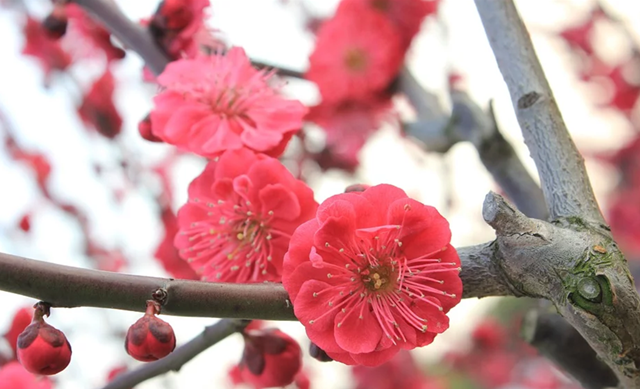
point(318, 353)
point(144, 128)
point(41, 348)
point(270, 358)
point(55, 25)
point(150, 338)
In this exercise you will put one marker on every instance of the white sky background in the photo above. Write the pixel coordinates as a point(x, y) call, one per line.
point(271, 32)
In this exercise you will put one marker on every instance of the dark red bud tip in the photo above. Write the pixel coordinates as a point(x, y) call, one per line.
point(42, 309)
point(42, 349)
point(150, 338)
point(356, 188)
point(144, 127)
point(318, 353)
point(271, 358)
point(55, 25)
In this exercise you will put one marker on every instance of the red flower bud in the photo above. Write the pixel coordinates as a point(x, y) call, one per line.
point(318, 353)
point(43, 349)
point(55, 25)
point(270, 358)
point(150, 338)
point(144, 127)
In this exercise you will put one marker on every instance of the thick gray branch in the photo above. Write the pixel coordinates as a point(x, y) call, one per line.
point(565, 183)
point(481, 273)
point(579, 268)
point(180, 356)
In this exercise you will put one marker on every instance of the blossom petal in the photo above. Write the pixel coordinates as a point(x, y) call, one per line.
point(299, 249)
point(424, 230)
point(375, 358)
point(182, 121)
point(301, 274)
point(314, 313)
point(215, 137)
point(437, 321)
point(357, 330)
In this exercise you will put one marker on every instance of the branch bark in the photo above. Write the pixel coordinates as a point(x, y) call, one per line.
point(581, 271)
point(180, 356)
point(439, 131)
point(564, 179)
point(68, 287)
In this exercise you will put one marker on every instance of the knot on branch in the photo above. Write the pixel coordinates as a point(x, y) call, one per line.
point(528, 99)
point(511, 223)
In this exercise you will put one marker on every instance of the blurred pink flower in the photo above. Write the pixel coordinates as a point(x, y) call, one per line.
point(406, 15)
point(358, 52)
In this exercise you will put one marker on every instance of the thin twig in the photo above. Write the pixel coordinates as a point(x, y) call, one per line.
point(284, 72)
point(180, 356)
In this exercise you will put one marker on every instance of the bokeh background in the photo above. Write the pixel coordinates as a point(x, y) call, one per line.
point(117, 183)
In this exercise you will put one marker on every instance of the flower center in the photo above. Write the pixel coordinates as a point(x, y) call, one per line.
point(356, 60)
point(233, 244)
point(379, 278)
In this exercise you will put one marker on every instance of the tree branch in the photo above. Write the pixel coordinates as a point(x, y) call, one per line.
point(439, 131)
point(469, 122)
point(560, 342)
point(501, 160)
point(131, 34)
point(481, 273)
point(580, 269)
point(138, 39)
point(284, 72)
point(565, 183)
point(180, 356)
point(68, 287)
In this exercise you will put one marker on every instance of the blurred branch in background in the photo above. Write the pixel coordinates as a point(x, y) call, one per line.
point(560, 342)
point(438, 132)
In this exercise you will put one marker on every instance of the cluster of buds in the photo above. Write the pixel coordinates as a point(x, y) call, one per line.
point(45, 350)
point(150, 338)
point(41, 348)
